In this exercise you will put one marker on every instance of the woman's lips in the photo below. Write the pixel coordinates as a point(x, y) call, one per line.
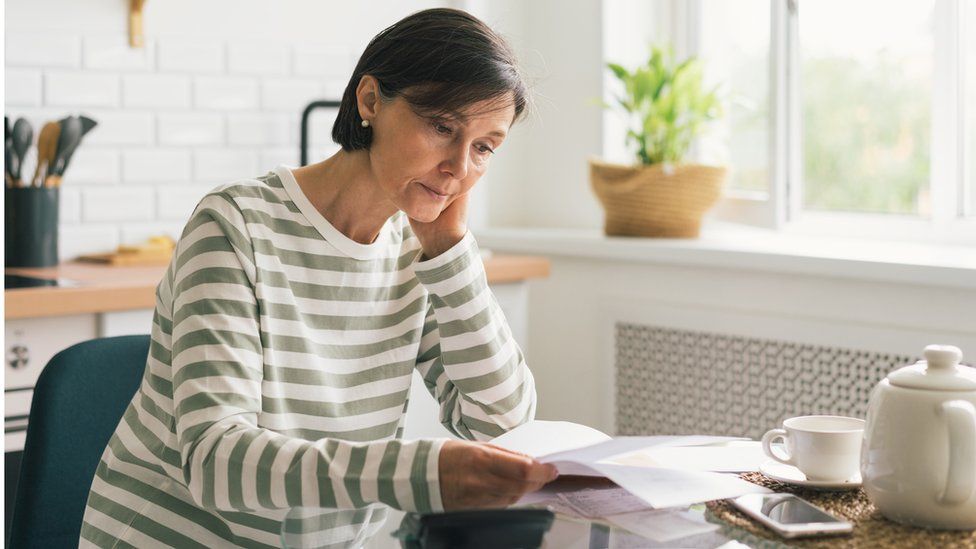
point(432, 192)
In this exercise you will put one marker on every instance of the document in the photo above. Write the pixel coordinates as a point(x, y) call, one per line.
point(736, 456)
point(664, 525)
point(579, 450)
point(602, 502)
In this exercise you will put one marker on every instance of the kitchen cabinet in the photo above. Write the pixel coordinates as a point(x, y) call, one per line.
point(30, 343)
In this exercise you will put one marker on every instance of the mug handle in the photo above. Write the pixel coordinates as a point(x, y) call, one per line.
point(767, 441)
point(960, 416)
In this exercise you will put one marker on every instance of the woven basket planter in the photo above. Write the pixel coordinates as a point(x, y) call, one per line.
point(654, 201)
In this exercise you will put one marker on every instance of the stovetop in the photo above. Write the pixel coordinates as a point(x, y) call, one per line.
point(14, 281)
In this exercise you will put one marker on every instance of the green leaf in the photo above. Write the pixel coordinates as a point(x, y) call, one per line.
point(619, 71)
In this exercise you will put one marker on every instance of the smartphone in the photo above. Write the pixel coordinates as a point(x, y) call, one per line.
point(790, 515)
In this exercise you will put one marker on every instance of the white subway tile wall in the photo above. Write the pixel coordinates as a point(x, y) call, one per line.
point(175, 119)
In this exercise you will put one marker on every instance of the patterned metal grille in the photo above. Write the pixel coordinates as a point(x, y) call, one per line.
point(678, 382)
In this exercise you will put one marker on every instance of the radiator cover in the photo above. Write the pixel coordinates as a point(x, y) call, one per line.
point(677, 382)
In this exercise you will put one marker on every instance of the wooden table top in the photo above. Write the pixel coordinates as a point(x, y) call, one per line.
point(103, 288)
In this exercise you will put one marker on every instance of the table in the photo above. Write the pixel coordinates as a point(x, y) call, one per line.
point(566, 533)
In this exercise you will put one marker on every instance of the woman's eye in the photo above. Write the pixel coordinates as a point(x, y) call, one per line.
point(484, 149)
point(441, 128)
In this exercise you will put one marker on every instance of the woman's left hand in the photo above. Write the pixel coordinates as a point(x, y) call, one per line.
point(441, 234)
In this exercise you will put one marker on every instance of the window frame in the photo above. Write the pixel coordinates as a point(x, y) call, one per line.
point(781, 207)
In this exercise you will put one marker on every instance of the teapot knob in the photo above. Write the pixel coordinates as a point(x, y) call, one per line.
point(942, 357)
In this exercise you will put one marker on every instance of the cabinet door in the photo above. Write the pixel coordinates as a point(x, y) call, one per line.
point(118, 323)
point(30, 344)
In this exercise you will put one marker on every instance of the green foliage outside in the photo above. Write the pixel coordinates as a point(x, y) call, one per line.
point(665, 106)
point(866, 135)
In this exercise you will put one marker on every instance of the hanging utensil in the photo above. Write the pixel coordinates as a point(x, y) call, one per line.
point(47, 148)
point(23, 135)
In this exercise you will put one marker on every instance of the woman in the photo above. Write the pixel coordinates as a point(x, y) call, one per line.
point(298, 304)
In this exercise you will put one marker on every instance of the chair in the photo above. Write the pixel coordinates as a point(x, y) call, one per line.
point(78, 401)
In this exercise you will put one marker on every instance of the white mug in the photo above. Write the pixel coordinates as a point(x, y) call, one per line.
point(824, 448)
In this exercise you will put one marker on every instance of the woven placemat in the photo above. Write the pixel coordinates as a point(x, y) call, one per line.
point(871, 529)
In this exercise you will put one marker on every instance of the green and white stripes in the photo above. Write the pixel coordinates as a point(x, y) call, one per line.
point(278, 375)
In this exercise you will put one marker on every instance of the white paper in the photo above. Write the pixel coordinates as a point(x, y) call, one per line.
point(661, 487)
point(573, 448)
point(593, 503)
point(540, 438)
point(664, 525)
point(733, 457)
point(549, 492)
point(579, 450)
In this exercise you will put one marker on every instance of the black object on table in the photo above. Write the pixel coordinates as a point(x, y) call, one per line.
point(483, 529)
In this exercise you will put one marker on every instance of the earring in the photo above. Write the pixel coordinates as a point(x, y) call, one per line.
point(365, 123)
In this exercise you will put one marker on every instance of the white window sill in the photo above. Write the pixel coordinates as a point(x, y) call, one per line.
point(732, 246)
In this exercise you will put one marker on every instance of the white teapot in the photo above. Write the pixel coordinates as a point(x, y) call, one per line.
point(918, 456)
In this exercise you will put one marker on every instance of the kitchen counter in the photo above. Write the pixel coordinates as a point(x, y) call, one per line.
point(102, 288)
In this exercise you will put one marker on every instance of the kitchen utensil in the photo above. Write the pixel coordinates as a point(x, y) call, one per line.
point(8, 143)
point(10, 162)
point(918, 459)
point(28, 165)
point(86, 124)
point(67, 142)
point(47, 148)
point(23, 135)
point(31, 227)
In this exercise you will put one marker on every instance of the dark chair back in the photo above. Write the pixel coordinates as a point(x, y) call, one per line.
point(78, 401)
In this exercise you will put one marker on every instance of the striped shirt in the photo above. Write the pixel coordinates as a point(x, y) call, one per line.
point(278, 373)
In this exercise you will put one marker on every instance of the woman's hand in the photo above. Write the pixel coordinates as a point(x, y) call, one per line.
point(478, 475)
point(441, 234)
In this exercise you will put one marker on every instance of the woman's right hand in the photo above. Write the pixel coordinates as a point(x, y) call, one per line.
point(478, 475)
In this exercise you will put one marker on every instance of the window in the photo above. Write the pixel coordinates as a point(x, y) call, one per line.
point(969, 18)
point(865, 103)
point(859, 115)
point(735, 42)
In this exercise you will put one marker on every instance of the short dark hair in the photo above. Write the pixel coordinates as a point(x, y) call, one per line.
point(441, 61)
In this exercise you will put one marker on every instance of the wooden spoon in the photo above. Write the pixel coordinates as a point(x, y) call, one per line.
point(47, 148)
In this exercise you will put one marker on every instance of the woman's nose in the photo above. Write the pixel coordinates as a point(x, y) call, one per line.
point(457, 163)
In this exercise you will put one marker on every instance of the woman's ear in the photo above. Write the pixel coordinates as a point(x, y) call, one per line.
point(367, 97)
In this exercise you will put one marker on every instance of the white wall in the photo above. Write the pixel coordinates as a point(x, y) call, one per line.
point(540, 177)
point(216, 94)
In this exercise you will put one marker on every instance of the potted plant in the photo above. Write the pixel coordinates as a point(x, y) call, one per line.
point(666, 108)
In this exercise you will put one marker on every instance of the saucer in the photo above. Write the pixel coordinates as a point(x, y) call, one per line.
point(788, 474)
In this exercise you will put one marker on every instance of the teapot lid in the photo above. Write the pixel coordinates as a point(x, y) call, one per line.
point(940, 371)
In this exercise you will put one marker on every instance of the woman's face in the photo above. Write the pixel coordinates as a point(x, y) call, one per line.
point(423, 164)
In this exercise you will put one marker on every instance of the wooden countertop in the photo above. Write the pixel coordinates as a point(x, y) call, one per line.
point(101, 288)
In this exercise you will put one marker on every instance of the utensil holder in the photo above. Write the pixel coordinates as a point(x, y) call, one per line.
point(31, 226)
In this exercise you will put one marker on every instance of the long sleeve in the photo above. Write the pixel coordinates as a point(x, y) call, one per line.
point(468, 358)
point(229, 462)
